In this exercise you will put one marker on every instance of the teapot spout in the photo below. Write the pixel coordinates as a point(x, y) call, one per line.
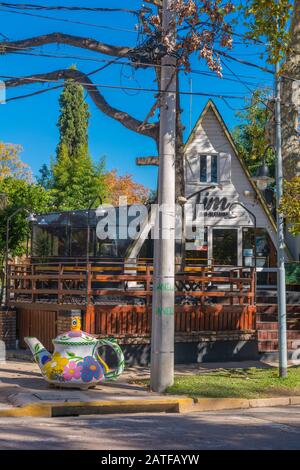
point(39, 352)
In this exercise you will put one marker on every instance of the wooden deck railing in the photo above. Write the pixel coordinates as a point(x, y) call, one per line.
point(116, 299)
point(116, 283)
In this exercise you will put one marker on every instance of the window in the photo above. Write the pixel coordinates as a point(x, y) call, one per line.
point(225, 246)
point(50, 241)
point(79, 241)
point(203, 169)
point(208, 168)
point(197, 248)
point(214, 169)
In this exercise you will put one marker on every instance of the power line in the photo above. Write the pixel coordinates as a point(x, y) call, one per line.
point(226, 77)
point(34, 93)
point(245, 85)
point(117, 87)
point(136, 12)
point(230, 32)
point(31, 6)
point(40, 53)
point(217, 51)
point(244, 62)
point(225, 54)
point(83, 23)
point(4, 37)
point(238, 78)
point(247, 63)
point(231, 107)
point(252, 54)
point(250, 64)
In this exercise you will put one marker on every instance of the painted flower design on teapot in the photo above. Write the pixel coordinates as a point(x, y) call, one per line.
point(75, 361)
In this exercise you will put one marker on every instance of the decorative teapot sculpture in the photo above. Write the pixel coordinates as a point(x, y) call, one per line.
point(75, 362)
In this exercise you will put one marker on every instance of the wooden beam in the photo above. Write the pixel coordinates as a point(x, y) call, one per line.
point(147, 161)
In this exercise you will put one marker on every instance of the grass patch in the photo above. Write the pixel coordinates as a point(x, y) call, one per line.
point(238, 383)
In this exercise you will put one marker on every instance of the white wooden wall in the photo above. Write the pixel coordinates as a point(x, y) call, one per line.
point(210, 138)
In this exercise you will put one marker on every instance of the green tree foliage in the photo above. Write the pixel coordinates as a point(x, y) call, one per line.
point(19, 193)
point(76, 180)
point(250, 135)
point(290, 204)
point(45, 177)
point(267, 20)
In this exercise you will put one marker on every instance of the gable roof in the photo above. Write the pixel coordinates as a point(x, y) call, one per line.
point(210, 105)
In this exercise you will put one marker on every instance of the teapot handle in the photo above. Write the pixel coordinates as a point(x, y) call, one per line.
point(112, 374)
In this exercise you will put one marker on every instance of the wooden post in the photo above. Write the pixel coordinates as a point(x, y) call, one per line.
point(89, 317)
point(89, 284)
point(231, 290)
point(89, 323)
point(59, 285)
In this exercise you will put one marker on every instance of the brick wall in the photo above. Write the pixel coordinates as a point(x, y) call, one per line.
point(8, 328)
point(267, 327)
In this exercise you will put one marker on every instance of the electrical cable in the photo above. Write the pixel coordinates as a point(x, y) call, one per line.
point(82, 23)
point(238, 78)
point(225, 77)
point(60, 55)
point(31, 6)
point(131, 77)
point(101, 85)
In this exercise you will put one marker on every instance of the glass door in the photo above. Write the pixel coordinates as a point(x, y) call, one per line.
point(225, 246)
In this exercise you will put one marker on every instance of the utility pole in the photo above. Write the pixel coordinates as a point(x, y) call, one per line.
point(162, 339)
point(280, 232)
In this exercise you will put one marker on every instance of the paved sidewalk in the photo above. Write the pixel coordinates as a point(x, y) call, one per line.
point(23, 391)
point(24, 376)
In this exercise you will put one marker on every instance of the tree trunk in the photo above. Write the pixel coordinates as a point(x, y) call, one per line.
point(291, 101)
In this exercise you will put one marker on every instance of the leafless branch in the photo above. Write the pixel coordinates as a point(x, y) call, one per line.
point(7, 47)
point(157, 3)
point(128, 121)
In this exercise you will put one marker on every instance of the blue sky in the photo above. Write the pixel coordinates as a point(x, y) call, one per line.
point(31, 122)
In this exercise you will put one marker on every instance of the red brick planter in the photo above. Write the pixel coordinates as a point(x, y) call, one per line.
point(8, 327)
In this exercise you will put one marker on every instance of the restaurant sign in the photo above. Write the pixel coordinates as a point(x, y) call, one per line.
point(213, 206)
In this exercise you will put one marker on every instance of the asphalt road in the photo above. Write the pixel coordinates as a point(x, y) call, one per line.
point(261, 428)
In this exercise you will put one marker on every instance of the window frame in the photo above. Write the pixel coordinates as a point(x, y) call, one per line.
point(209, 158)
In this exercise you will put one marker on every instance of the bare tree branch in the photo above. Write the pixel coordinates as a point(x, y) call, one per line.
point(149, 130)
point(60, 38)
point(157, 3)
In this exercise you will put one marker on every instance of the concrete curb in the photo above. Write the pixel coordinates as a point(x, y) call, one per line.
point(212, 404)
point(50, 409)
point(160, 405)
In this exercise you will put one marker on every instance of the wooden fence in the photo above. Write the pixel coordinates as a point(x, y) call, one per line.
point(117, 297)
point(63, 285)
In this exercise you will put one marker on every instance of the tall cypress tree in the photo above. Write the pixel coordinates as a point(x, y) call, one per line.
point(76, 180)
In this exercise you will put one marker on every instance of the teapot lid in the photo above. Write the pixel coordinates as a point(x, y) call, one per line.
point(76, 337)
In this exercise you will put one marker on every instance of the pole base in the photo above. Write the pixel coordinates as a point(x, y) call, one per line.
point(283, 372)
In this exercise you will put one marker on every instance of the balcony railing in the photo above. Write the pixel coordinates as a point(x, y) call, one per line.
point(128, 283)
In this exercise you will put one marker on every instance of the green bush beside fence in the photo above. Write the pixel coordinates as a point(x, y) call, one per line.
point(292, 273)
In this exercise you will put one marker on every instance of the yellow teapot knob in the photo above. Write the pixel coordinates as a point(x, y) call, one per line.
point(76, 323)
